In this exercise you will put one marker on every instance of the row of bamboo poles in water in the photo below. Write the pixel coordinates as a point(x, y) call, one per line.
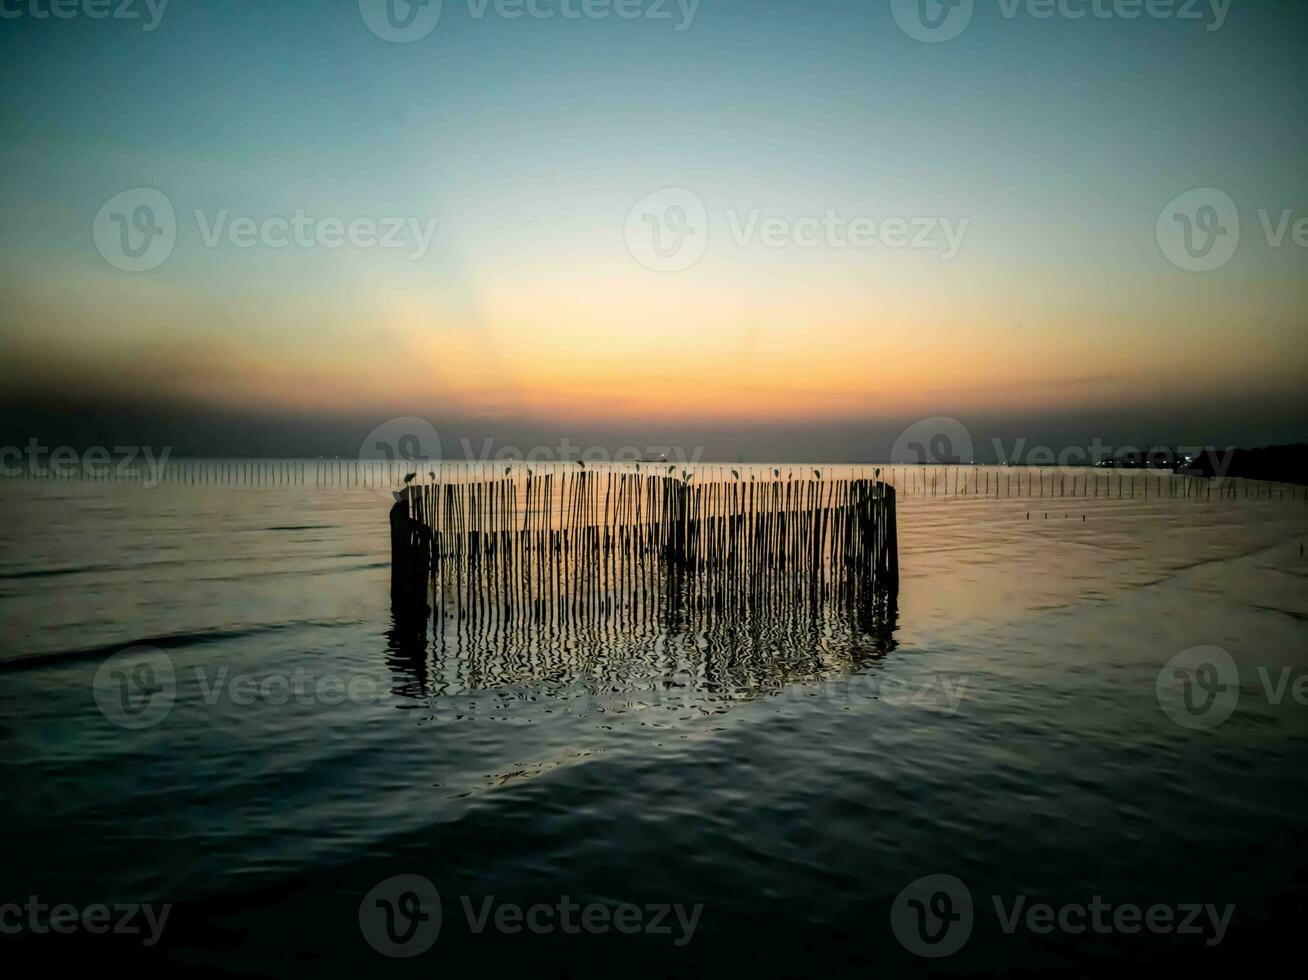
point(931, 481)
point(569, 544)
point(1024, 482)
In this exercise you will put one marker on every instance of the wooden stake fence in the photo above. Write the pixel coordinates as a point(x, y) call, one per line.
point(587, 545)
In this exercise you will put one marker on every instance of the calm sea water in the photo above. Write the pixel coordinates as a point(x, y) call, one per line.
point(780, 787)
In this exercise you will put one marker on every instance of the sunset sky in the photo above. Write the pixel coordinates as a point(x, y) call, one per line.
point(1055, 144)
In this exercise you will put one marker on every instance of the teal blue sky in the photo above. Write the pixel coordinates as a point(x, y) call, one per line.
point(1059, 141)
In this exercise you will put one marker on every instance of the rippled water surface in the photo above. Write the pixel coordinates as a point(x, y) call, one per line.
point(1002, 725)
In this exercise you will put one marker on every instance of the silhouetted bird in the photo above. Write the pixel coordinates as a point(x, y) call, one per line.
point(776, 473)
point(432, 474)
point(508, 470)
point(581, 463)
point(409, 478)
point(735, 475)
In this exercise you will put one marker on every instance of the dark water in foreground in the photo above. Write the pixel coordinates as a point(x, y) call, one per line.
point(772, 790)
